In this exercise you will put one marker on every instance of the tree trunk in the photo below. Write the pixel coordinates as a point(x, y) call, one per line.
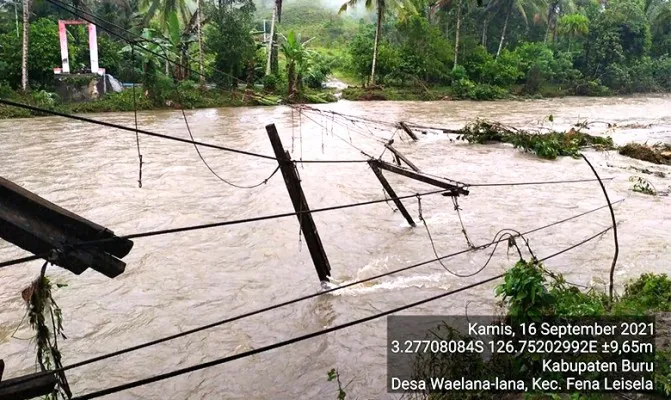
point(16, 18)
point(270, 40)
point(456, 39)
point(378, 28)
point(291, 77)
point(503, 31)
point(483, 41)
point(200, 45)
point(26, 32)
point(551, 13)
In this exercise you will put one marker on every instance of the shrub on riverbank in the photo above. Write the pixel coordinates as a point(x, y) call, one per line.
point(463, 89)
point(189, 96)
point(530, 291)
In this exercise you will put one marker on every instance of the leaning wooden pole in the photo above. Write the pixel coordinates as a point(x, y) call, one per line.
point(407, 130)
point(293, 183)
point(453, 187)
point(400, 156)
point(387, 187)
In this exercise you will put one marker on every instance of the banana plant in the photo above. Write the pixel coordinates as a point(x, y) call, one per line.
point(171, 46)
point(298, 58)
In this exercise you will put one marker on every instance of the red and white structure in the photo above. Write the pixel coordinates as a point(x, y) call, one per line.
point(93, 47)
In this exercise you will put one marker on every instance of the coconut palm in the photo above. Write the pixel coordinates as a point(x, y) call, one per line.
point(573, 25)
point(523, 7)
point(402, 7)
point(24, 56)
point(277, 15)
point(164, 10)
point(658, 13)
point(555, 9)
point(446, 5)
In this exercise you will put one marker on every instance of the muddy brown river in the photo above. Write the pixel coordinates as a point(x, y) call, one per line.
point(177, 282)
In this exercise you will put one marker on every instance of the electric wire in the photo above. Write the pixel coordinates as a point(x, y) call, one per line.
point(211, 225)
point(181, 371)
point(498, 238)
point(200, 155)
point(261, 218)
point(137, 134)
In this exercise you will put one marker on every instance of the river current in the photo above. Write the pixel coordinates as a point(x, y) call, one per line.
point(177, 282)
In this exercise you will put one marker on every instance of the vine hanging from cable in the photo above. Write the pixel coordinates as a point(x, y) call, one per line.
point(42, 312)
point(137, 134)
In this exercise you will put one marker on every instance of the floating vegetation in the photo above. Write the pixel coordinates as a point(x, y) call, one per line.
point(548, 145)
point(642, 185)
point(658, 154)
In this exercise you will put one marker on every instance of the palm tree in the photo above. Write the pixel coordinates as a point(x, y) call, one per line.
point(164, 10)
point(446, 4)
point(24, 57)
point(658, 13)
point(380, 7)
point(277, 15)
point(200, 43)
point(573, 25)
point(508, 6)
point(555, 8)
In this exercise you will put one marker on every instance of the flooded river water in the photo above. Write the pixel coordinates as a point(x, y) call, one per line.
point(177, 282)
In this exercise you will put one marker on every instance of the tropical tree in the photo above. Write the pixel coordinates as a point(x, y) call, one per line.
point(573, 25)
point(297, 57)
point(24, 57)
point(229, 40)
point(446, 5)
point(277, 15)
point(523, 7)
point(402, 7)
point(658, 13)
point(164, 10)
point(555, 9)
point(200, 42)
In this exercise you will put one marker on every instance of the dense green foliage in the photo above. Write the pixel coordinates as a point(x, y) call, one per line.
point(427, 49)
point(530, 292)
point(548, 145)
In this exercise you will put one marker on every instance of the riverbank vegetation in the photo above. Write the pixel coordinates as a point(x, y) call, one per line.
point(529, 291)
point(405, 49)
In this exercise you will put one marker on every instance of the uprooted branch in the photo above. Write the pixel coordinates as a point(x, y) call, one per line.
point(548, 145)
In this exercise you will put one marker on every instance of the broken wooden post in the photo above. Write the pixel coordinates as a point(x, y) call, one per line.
point(407, 130)
point(400, 156)
point(453, 187)
point(43, 228)
point(387, 187)
point(293, 183)
point(28, 386)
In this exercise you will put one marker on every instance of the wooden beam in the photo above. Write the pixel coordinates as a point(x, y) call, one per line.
point(400, 156)
point(387, 187)
point(407, 130)
point(28, 386)
point(293, 184)
point(457, 190)
point(40, 227)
